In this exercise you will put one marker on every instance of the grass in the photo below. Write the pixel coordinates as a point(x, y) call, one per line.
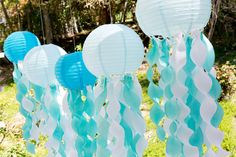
point(13, 145)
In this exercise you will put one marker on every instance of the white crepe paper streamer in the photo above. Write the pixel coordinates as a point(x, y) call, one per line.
point(202, 80)
point(133, 118)
point(53, 145)
point(178, 61)
point(69, 133)
point(116, 132)
point(29, 105)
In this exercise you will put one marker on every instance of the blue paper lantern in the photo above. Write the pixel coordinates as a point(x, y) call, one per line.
point(18, 44)
point(72, 73)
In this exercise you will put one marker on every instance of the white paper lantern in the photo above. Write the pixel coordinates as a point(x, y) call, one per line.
point(113, 49)
point(39, 64)
point(170, 17)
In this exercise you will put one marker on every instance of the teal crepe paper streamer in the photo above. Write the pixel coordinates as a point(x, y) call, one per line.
point(155, 92)
point(132, 102)
point(22, 92)
point(102, 122)
point(159, 55)
point(196, 120)
point(55, 113)
point(86, 129)
point(171, 108)
point(128, 134)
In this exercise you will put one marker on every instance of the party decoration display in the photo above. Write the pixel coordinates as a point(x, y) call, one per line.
point(113, 53)
point(39, 67)
point(18, 44)
point(168, 18)
point(72, 74)
point(88, 104)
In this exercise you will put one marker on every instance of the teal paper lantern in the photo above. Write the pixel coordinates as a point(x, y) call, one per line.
point(18, 44)
point(72, 73)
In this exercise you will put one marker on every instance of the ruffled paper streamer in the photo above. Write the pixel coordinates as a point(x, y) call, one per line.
point(120, 121)
point(111, 140)
point(100, 93)
point(83, 123)
point(26, 108)
point(181, 98)
point(208, 92)
point(130, 97)
point(52, 127)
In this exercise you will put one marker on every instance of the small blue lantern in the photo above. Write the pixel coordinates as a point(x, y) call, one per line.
point(18, 44)
point(72, 73)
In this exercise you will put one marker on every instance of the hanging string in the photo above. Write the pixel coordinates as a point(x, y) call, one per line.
point(41, 21)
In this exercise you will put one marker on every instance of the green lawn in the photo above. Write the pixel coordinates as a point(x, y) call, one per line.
point(13, 145)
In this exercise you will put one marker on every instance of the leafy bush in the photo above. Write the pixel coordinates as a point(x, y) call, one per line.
point(227, 78)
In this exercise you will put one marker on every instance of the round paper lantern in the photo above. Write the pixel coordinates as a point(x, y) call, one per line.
point(168, 18)
point(18, 44)
point(72, 73)
point(39, 64)
point(113, 49)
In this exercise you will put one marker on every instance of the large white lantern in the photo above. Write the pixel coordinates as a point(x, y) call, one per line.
point(113, 49)
point(170, 17)
point(39, 64)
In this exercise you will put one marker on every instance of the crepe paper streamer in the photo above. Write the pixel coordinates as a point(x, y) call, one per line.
point(169, 18)
point(195, 86)
point(163, 94)
point(130, 96)
point(54, 130)
point(39, 115)
point(18, 44)
point(111, 52)
point(69, 133)
point(39, 64)
point(209, 109)
point(72, 74)
point(112, 139)
point(41, 72)
point(100, 93)
point(25, 107)
point(113, 49)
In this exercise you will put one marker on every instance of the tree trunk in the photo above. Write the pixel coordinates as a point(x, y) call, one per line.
point(29, 27)
point(110, 11)
point(6, 15)
point(216, 8)
point(47, 22)
point(123, 18)
point(18, 18)
point(76, 31)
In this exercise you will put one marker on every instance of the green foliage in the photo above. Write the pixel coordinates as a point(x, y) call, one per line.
point(228, 125)
point(227, 78)
point(78, 47)
point(226, 73)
